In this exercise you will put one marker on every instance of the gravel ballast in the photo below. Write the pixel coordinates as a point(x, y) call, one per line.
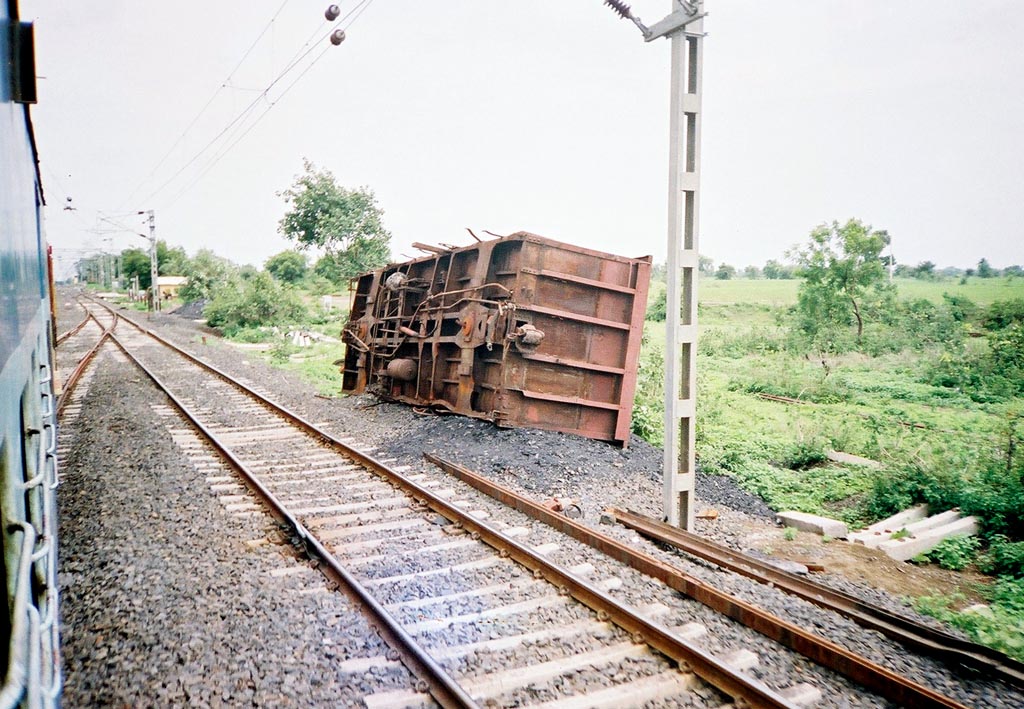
point(163, 602)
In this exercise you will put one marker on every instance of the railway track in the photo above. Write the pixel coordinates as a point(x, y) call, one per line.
point(353, 512)
point(443, 586)
point(76, 349)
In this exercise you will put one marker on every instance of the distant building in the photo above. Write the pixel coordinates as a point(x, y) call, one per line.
point(168, 286)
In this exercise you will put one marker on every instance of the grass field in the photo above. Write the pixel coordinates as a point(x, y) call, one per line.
point(880, 407)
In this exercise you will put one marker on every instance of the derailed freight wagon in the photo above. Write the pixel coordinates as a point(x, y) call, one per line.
point(521, 330)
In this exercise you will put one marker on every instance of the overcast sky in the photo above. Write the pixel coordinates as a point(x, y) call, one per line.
point(550, 117)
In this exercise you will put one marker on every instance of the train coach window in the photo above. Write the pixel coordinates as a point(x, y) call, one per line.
point(23, 55)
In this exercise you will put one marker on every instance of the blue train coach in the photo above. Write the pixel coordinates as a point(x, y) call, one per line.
point(29, 644)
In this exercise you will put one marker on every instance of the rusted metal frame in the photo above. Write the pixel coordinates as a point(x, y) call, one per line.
point(950, 648)
point(632, 354)
point(421, 385)
point(826, 653)
point(574, 363)
point(690, 657)
point(577, 400)
point(445, 690)
point(569, 278)
point(566, 315)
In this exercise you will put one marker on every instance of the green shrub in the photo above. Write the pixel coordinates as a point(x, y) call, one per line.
point(990, 376)
point(1003, 557)
point(955, 553)
point(988, 491)
point(251, 335)
point(804, 454)
point(656, 309)
point(282, 350)
point(1002, 314)
point(1000, 626)
point(996, 496)
point(961, 308)
point(648, 407)
point(252, 303)
point(901, 489)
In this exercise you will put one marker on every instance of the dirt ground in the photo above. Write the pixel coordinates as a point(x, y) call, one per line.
point(859, 563)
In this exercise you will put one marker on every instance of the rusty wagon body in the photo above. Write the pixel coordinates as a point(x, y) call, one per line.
point(521, 330)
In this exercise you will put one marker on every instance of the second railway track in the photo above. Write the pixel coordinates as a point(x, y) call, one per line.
point(477, 611)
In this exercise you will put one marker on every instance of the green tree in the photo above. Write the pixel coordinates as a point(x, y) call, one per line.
point(985, 270)
point(775, 271)
point(725, 272)
point(170, 261)
point(287, 266)
point(925, 271)
point(752, 272)
point(206, 272)
point(345, 224)
point(135, 262)
point(260, 301)
point(845, 281)
point(705, 265)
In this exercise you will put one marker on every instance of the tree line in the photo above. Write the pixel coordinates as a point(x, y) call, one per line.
point(775, 270)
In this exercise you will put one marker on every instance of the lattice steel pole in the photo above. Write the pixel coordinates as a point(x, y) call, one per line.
point(683, 267)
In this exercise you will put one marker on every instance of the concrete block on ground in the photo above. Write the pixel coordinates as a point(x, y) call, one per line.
point(882, 531)
point(923, 525)
point(741, 660)
point(802, 694)
point(909, 547)
point(899, 520)
point(813, 523)
point(850, 459)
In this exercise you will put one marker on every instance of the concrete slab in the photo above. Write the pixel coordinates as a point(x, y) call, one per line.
point(912, 529)
point(900, 519)
point(909, 547)
point(851, 459)
point(813, 523)
point(943, 518)
point(882, 531)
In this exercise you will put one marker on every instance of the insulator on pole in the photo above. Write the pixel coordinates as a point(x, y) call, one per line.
point(622, 9)
point(337, 37)
point(332, 12)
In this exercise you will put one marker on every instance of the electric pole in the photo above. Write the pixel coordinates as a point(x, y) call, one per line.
point(684, 27)
point(154, 289)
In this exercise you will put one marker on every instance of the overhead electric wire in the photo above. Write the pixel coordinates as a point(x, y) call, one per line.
point(241, 116)
point(357, 11)
point(209, 102)
point(210, 165)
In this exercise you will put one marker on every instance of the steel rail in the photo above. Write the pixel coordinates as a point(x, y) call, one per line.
point(826, 653)
point(690, 658)
point(951, 649)
point(75, 330)
point(83, 363)
point(441, 686)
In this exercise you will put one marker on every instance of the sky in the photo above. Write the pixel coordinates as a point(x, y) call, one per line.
point(548, 117)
